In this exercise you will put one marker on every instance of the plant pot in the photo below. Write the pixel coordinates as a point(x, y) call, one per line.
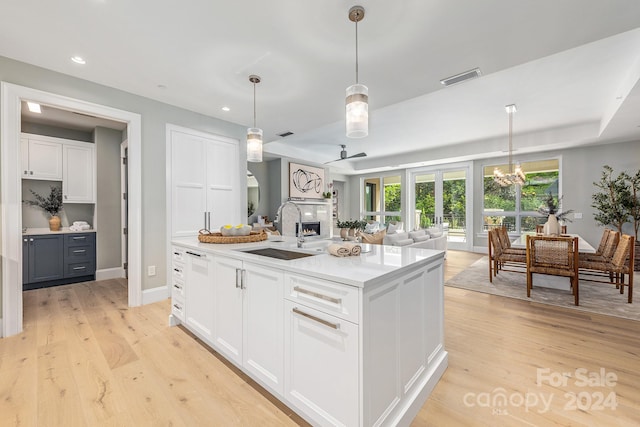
point(54, 223)
point(343, 233)
point(352, 232)
point(551, 227)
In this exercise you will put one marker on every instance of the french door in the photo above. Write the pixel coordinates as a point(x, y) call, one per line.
point(442, 197)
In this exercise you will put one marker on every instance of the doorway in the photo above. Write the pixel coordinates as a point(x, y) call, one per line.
point(124, 207)
point(442, 197)
point(10, 125)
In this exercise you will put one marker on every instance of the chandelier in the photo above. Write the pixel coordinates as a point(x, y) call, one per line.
point(357, 100)
point(254, 134)
point(514, 176)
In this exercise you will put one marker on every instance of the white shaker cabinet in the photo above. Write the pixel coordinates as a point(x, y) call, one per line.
point(248, 318)
point(204, 181)
point(41, 159)
point(79, 174)
point(199, 293)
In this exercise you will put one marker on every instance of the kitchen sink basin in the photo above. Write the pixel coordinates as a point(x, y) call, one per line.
point(278, 253)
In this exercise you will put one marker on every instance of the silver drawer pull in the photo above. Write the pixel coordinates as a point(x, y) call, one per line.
point(79, 268)
point(317, 319)
point(79, 237)
point(79, 251)
point(317, 295)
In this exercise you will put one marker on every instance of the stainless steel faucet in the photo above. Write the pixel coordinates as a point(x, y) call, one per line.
point(300, 234)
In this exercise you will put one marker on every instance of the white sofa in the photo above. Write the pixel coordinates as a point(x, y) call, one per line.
point(426, 238)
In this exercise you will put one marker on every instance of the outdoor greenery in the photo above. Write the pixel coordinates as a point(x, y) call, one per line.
point(454, 202)
point(52, 204)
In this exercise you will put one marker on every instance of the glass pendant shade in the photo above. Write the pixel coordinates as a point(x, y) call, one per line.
point(254, 145)
point(357, 111)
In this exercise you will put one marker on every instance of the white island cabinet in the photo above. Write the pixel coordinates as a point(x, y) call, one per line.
point(354, 341)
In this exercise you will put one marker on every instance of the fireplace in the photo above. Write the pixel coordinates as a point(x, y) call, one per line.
point(309, 228)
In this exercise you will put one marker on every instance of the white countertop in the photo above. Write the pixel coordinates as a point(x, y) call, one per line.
point(376, 263)
point(45, 230)
point(583, 245)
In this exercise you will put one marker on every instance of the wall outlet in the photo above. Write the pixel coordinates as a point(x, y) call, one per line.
point(577, 215)
point(151, 270)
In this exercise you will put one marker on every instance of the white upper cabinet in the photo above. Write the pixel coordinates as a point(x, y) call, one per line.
point(57, 159)
point(204, 189)
point(41, 159)
point(79, 175)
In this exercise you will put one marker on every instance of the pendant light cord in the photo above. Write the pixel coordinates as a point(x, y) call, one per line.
point(254, 104)
point(357, 50)
point(510, 141)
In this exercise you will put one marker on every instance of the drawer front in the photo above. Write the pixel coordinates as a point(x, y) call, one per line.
point(177, 289)
point(177, 272)
point(329, 297)
point(177, 309)
point(177, 253)
point(75, 269)
point(79, 239)
point(73, 254)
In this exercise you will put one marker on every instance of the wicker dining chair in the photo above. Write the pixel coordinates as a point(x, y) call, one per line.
point(621, 264)
point(540, 229)
point(498, 258)
point(553, 255)
point(606, 248)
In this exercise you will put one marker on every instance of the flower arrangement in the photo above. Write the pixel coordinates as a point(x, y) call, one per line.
point(551, 207)
point(51, 204)
point(328, 194)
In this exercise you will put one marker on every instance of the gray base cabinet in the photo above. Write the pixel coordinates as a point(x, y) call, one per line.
point(56, 259)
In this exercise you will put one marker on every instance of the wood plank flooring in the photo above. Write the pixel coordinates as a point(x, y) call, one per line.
point(86, 359)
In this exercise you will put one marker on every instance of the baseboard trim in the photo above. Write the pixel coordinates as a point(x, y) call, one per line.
point(152, 295)
point(110, 273)
point(1, 328)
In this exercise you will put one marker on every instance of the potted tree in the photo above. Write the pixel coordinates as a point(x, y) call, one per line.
point(634, 210)
point(612, 201)
point(52, 204)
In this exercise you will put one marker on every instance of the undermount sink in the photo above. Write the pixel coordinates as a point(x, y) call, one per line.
point(278, 253)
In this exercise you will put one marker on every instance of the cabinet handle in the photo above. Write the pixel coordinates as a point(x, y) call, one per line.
point(317, 319)
point(177, 253)
point(177, 307)
point(31, 173)
point(65, 196)
point(79, 268)
point(26, 173)
point(177, 270)
point(238, 285)
point(79, 251)
point(205, 221)
point(317, 295)
point(243, 275)
point(195, 254)
point(78, 237)
point(25, 240)
point(31, 240)
point(175, 285)
point(208, 220)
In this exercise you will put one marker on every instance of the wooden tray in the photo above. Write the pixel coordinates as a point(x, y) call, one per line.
point(206, 236)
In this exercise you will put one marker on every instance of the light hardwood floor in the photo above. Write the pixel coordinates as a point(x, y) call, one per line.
point(85, 359)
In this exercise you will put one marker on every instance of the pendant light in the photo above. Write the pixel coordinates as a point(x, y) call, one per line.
point(254, 134)
point(516, 176)
point(357, 101)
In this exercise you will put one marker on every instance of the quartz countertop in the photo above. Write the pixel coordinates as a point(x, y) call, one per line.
point(63, 230)
point(376, 263)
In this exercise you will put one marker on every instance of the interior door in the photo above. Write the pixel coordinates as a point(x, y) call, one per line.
point(440, 199)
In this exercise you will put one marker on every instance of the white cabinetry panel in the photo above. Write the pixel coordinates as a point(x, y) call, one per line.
point(200, 293)
point(79, 175)
point(41, 159)
point(228, 308)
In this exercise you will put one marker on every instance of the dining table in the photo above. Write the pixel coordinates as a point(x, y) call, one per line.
point(546, 280)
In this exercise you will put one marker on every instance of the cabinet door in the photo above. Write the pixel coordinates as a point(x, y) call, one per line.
point(45, 258)
point(199, 293)
point(228, 308)
point(321, 365)
point(263, 345)
point(44, 160)
point(223, 194)
point(78, 181)
point(25, 260)
point(188, 184)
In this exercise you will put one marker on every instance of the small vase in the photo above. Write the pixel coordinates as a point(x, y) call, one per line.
point(54, 223)
point(343, 233)
point(352, 232)
point(551, 227)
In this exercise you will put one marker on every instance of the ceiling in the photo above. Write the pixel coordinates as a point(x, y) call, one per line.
point(572, 67)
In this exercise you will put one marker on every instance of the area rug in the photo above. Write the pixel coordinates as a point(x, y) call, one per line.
point(594, 297)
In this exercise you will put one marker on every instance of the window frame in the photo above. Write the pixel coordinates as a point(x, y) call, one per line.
point(382, 214)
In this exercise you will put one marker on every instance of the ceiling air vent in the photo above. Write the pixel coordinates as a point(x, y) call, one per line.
point(471, 74)
point(284, 134)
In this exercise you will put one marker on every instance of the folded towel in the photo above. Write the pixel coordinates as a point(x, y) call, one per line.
point(80, 223)
point(80, 227)
point(354, 248)
point(336, 249)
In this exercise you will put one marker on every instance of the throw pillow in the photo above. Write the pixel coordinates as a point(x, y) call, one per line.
point(394, 227)
point(391, 239)
point(371, 228)
point(434, 232)
point(421, 238)
point(417, 233)
point(403, 242)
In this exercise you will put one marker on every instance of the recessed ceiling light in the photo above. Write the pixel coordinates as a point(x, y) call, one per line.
point(78, 60)
point(34, 107)
point(226, 109)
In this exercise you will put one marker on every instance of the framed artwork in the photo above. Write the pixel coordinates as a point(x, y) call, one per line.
point(305, 182)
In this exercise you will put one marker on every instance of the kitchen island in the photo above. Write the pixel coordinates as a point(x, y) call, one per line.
point(354, 341)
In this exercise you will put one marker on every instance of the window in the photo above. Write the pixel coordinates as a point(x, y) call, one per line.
point(383, 198)
point(516, 206)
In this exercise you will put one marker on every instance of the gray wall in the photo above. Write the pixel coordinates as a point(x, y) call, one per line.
point(580, 168)
point(261, 172)
point(155, 116)
point(57, 132)
point(108, 198)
